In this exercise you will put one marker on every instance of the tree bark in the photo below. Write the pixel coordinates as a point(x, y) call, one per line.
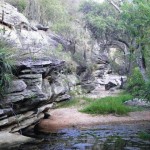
point(141, 63)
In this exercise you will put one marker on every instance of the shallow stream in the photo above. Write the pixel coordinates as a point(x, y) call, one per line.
point(104, 137)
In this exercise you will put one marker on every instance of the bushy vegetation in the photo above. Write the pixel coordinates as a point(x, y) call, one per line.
point(135, 83)
point(137, 86)
point(54, 13)
point(19, 4)
point(70, 103)
point(6, 64)
point(76, 102)
point(121, 23)
point(109, 105)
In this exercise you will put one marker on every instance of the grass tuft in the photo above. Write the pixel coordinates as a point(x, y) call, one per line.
point(109, 105)
point(144, 136)
point(69, 103)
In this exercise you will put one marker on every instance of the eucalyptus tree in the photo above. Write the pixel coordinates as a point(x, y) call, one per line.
point(124, 24)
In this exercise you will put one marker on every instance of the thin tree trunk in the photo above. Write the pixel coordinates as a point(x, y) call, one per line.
point(141, 64)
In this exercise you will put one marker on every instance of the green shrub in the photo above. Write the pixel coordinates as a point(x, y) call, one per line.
point(135, 83)
point(19, 4)
point(109, 105)
point(69, 103)
point(6, 64)
point(137, 86)
point(146, 91)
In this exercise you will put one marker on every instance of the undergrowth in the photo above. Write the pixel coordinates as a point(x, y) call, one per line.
point(75, 102)
point(109, 105)
point(144, 136)
point(6, 65)
point(137, 87)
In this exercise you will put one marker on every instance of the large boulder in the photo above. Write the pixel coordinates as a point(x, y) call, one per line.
point(37, 72)
point(9, 140)
point(17, 30)
point(39, 84)
point(10, 16)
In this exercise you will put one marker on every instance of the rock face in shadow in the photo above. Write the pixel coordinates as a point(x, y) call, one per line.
point(38, 83)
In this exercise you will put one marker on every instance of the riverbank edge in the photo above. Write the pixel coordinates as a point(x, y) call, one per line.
point(71, 118)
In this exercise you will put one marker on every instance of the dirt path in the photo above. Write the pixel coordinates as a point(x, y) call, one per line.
point(70, 117)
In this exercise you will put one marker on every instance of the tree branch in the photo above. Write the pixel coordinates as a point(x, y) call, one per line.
point(122, 41)
point(114, 5)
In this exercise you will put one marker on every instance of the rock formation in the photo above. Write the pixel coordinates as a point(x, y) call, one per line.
point(40, 80)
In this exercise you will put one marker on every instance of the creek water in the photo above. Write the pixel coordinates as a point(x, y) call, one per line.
point(103, 137)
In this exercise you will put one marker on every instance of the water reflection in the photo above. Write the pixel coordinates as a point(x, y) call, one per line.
point(106, 137)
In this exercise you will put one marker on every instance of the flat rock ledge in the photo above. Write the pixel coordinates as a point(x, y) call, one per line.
point(9, 140)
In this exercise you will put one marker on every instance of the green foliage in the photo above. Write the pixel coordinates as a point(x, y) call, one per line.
point(6, 64)
point(100, 18)
point(76, 101)
point(137, 86)
point(146, 91)
point(52, 10)
point(144, 136)
point(69, 103)
point(19, 4)
point(109, 105)
point(129, 26)
point(147, 60)
point(55, 14)
point(135, 83)
point(135, 17)
point(78, 57)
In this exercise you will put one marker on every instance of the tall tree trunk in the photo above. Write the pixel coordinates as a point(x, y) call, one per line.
point(141, 64)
